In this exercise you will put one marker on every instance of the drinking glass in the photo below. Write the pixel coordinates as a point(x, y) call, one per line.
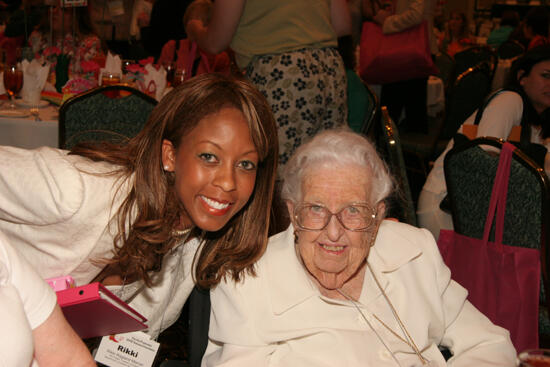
point(13, 81)
point(108, 78)
point(179, 77)
point(534, 358)
point(170, 71)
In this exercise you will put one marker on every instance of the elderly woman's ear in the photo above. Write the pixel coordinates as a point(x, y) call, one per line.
point(290, 207)
point(380, 210)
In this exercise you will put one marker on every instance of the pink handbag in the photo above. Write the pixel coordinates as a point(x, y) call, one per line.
point(388, 58)
point(503, 281)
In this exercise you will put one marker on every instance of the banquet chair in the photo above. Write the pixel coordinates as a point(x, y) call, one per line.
point(469, 174)
point(446, 66)
point(472, 56)
point(400, 204)
point(107, 113)
point(465, 96)
point(510, 49)
point(372, 110)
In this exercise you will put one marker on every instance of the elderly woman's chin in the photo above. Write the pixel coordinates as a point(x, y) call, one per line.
point(332, 270)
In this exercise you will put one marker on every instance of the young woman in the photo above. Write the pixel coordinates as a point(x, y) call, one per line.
point(457, 35)
point(524, 102)
point(199, 175)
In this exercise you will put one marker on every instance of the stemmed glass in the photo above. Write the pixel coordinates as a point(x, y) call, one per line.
point(13, 79)
point(534, 358)
point(179, 77)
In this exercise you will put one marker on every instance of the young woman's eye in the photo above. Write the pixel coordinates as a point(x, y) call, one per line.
point(247, 165)
point(208, 157)
point(546, 75)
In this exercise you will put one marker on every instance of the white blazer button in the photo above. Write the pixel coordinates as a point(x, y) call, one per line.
point(384, 355)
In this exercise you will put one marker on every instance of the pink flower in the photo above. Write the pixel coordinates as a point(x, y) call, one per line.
point(52, 50)
point(89, 66)
point(146, 61)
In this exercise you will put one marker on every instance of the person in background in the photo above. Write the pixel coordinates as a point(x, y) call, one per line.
point(357, 94)
point(408, 95)
point(523, 102)
point(184, 54)
point(509, 21)
point(344, 287)
point(166, 23)
point(456, 37)
point(535, 26)
point(133, 215)
point(73, 34)
point(288, 50)
point(34, 330)
point(141, 17)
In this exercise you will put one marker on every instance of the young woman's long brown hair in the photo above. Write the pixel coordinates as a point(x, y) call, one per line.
point(151, 210)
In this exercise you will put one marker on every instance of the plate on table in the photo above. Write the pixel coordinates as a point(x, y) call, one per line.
point(14, 113)
point(21, 103)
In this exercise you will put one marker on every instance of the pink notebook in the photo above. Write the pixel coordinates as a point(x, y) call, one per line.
point(92, 310)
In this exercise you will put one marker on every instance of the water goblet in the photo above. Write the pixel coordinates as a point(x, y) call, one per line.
point(13, 81)
point(534, 358)
point(110, 78)
point(179, 77)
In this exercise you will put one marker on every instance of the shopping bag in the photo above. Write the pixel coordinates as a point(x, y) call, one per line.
point(388, 58)
point(503, 281)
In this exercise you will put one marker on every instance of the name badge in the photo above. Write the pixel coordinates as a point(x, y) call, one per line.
point(135, 349)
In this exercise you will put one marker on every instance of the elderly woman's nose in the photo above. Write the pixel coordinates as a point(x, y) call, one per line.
point(225, 178)
point(334, 228)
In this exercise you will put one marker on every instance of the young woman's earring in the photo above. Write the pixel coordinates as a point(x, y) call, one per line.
point(166, 168)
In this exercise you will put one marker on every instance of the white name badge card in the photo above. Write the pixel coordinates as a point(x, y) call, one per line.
point(135, 349)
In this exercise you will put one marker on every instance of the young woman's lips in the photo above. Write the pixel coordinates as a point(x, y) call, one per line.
point(215, 207)
point(332, 249)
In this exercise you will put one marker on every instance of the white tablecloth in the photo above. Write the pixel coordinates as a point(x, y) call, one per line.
point(27, 133)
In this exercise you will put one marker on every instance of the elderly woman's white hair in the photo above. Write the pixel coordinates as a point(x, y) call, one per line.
point(333, 148)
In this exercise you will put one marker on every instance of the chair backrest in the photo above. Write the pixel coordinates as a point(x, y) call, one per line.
point(510, 49)
point(469, 174)
point(446, 66)
point(401, 205)
point(372, 110)
point(465, 96)
point(473, 56)
point(112, 113)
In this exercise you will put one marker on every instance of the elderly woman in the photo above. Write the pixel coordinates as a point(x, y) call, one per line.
point(344, 287)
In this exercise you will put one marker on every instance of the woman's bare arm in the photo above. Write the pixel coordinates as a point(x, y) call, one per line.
point(217, 35)
point(57, 344)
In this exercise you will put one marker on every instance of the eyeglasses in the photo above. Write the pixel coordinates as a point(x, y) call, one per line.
point(315, 217)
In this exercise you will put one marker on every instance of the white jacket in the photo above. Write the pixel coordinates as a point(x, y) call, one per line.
point(279, 317)
point(57, 210)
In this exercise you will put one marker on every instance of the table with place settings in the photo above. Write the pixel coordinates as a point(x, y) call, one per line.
point(21, 129)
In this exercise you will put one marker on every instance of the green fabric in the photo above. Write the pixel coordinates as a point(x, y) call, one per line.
point(99, 117)
point(469, 176)
point(358, 101)
point(499, 35)
point(276, 26)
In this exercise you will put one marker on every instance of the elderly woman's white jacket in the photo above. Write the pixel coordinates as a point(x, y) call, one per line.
point(279, 318)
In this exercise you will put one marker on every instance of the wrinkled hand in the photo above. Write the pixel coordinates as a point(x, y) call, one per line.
point(381, 16)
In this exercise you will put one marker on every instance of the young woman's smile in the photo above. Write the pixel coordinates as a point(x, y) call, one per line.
point(215, 168)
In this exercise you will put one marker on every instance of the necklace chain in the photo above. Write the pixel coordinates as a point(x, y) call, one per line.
point(409, 341)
